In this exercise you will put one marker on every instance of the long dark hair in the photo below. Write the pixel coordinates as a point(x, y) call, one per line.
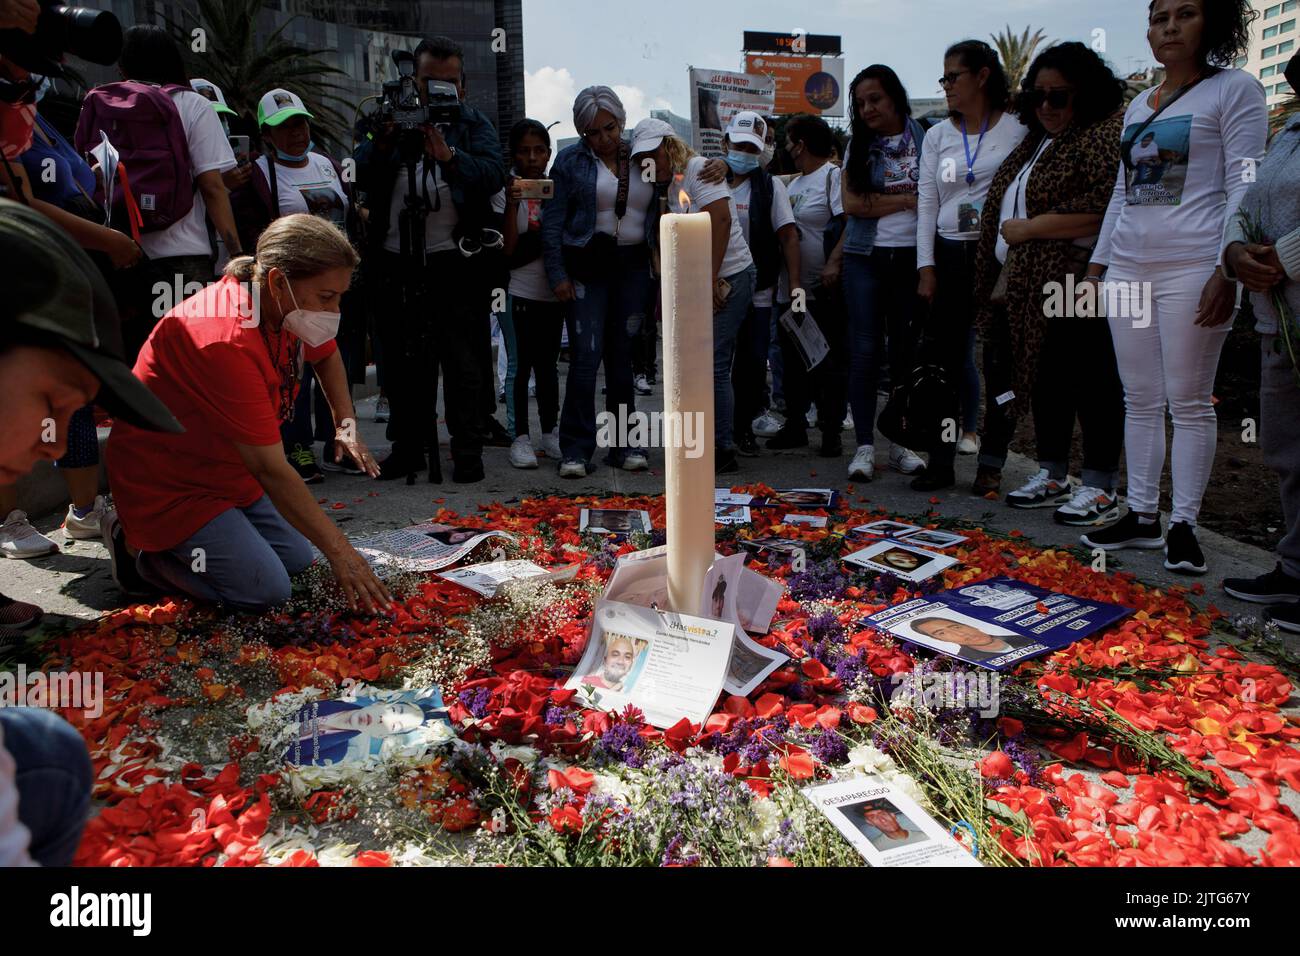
point(862, 135)
point(1097, 91)
point(526, 127)
point(1227, 30)
point(150, 55)
point(975, 55)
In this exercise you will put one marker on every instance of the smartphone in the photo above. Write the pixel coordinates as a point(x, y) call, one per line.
point(725, 288)
point(536, 188)
point(239, 145)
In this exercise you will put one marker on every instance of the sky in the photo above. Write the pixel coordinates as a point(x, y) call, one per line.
point(642, 48)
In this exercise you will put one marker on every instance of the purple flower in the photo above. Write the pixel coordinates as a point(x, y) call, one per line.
point(476, 700)
point(623, 743)
point(555, 716)
point(822, 580)
point(828, 747)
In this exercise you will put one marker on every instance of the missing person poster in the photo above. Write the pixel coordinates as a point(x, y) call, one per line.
point(896, 558)
point(731, 514)
point(667, 664)
point(801, 498)
point(368, 722)
point(422, 547)
point(616, 522)
point(885, 825)
point(998, 623)
point(488, 579)
point(717, 96)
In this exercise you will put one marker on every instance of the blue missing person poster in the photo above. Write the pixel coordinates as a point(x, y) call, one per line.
point(997, 623)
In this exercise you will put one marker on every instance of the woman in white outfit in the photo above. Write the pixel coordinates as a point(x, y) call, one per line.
point(1169, 304)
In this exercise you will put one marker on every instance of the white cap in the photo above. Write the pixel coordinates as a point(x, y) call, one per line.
point(648, 134)
point(748, 127)
point(210, 91)
point(279, 105)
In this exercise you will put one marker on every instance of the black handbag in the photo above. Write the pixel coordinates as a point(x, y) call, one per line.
point(923, 405)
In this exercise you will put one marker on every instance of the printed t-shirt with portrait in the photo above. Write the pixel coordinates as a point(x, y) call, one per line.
point(314, 189)
point(902, 162)
point(782, 216)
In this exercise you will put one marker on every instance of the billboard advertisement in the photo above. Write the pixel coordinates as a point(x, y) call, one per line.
point(804, 84)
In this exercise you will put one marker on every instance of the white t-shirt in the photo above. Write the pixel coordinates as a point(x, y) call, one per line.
point(438, 225)
point(528, 281)
point(782, 216)
point(314, 188)
point(640, 194)
point(1013, 200)
point(209, 150)
point(902, 174)
point(1186, 183)
point(945, 203)
point(815, 199)
point(704, 194)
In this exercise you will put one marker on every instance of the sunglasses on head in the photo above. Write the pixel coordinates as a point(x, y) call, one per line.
point(1055, 99)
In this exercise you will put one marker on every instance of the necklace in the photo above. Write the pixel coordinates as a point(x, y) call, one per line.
point(288, 371)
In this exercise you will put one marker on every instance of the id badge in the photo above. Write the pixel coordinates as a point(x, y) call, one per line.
point(968, 217)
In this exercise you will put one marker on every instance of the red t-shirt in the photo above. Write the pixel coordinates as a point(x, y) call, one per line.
point(216, 375)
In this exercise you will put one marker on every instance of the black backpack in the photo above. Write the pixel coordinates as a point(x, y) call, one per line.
point(919, 407)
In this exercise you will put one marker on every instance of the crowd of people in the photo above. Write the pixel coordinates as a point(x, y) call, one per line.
point(1007, 225)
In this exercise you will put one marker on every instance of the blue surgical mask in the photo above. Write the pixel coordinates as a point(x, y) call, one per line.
point(742, 163)
point(290, 157)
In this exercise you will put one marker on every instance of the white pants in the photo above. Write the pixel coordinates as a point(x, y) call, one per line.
point(1166, 360)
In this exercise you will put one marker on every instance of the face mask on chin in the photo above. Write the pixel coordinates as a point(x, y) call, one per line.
point(294, 158)
point(314, 328)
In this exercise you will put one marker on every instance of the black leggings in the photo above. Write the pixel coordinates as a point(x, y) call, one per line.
point(537, 340)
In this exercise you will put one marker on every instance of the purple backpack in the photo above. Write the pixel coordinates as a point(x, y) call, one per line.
point(145, 128)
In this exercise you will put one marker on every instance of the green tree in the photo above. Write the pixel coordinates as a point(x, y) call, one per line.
point(1017, 52)
point(1285, 112)
point(245, 68)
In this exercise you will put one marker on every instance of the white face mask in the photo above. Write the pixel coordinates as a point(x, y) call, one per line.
point(314, 328)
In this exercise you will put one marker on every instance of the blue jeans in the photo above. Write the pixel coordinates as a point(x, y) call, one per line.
point(726, 324)
point(970, 389)
point(880, 289)
point(248, 556)
point(506, 321)
point(749, 378)
point(53, 780)
point(602, 323)
point(775, 360)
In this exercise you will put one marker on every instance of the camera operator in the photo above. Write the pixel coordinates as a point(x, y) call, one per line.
point(432, 302)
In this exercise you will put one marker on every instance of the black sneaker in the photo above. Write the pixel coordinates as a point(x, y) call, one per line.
point(1276, 587)
point(788, 438)
point(467, 471)
point(1182, 552)
point(400, 465)
point(1284, 616)
point(832, 446)
point(125, 575)
point(304, 463)
point(494, 436)
point(934, 479)
point(344, 465)
point(725, 462)
point(1127, 532)
point(747, 445)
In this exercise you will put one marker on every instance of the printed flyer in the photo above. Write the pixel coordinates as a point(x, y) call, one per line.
point(422, 547)
point(488, 579)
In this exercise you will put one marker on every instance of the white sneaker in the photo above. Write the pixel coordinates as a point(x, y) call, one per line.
point(1041, 491)
point(968, 445)
point(573, 469)
point(642, 385)
point(847, 424)
point(905, 461)
point(812, 416)
point(863, 466)
point(1089, 506)
point(551, 445)
point(18, 539)
point(86, 528)
point(381, 409)
point(636, 461)
point(767, 425)
point(522, 454)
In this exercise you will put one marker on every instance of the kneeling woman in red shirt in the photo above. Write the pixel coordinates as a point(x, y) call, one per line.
point(217, 512)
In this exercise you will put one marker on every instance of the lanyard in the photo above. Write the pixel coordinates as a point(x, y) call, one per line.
point(1020, 182)
point(970, 160)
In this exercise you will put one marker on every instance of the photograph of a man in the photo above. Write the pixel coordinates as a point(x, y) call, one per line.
point(883, 824)
point(616, 666)
point(965, 639)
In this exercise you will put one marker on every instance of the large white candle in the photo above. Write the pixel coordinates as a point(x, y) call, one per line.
point(686, 251)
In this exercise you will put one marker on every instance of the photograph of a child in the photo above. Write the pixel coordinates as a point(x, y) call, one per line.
point(337, 731)
point(619, 665)
point(884, 825)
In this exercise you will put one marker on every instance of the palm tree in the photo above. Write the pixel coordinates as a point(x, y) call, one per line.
point(246, 67)
point(1016, 52)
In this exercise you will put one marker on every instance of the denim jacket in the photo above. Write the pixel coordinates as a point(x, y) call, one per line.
point(569, 218)
point(860, 235)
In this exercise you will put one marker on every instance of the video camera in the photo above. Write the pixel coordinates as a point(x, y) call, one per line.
point(94, 35)
point(410, 104)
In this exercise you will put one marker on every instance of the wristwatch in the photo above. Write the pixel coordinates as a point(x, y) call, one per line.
point(452, 158)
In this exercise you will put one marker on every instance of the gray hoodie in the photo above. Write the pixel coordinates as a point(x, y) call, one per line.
point(1274, 199)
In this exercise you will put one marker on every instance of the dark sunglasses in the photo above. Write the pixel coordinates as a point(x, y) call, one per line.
point(1055, 99)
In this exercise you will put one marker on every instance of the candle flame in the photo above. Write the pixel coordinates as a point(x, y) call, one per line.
point(683, 197)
